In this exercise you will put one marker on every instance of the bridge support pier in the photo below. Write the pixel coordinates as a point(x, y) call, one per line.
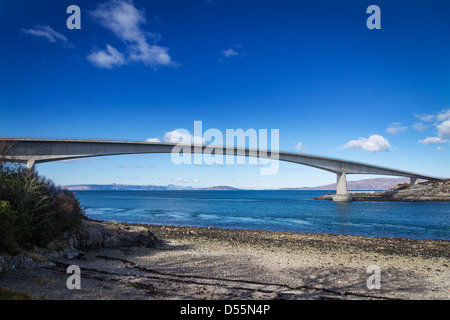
point(342, 194)
point(413, 181)
point(31, 163)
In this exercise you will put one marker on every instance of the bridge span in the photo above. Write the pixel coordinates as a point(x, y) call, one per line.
point(33, 151)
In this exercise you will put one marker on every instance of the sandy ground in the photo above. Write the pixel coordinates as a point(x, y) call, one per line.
point(204, 263)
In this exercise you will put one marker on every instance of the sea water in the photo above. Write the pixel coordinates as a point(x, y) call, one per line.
point(279, 210)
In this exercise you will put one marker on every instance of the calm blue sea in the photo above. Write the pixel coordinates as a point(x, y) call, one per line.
point(295, 211)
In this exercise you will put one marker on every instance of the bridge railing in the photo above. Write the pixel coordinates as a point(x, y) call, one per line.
point(72, 138)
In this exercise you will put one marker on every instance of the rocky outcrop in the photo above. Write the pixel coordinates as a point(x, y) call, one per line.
point(92, 235)
point(29, 260)
point(423, 192)
point(96, 234)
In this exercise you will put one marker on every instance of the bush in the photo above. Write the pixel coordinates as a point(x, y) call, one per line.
point(66, 211)
point(33, 211)
point(7, 221)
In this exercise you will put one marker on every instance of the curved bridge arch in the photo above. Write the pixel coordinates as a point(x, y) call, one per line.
point(32, 151)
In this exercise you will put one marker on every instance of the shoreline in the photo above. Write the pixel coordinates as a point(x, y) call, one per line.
point(402, 245)
point(385, 196)
point(149, 225)
point(212, 263)
point(429, 191)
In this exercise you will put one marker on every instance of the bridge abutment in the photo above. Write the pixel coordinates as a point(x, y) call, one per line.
point(341, 189)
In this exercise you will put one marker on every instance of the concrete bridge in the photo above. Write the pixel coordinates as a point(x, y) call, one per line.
point(33, 151)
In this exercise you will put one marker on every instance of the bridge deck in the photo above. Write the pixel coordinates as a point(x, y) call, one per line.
point(47, 150)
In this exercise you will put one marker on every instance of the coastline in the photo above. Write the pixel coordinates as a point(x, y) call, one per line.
point(428, 191)
point(210, 263)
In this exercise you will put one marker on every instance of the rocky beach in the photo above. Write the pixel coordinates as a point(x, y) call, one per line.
point(131, 261)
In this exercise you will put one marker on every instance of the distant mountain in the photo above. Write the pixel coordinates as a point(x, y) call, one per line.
point(110, 187)
point(365, 184)
point(218, 188)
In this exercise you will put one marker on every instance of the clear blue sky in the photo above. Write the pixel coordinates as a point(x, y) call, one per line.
point(312, 69)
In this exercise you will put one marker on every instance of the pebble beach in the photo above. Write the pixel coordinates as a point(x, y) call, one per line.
point(212, 263)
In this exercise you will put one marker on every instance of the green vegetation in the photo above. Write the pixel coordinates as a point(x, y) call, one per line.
point(8, 294)
point(33, 211)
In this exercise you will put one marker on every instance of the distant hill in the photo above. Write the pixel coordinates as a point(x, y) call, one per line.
point(218, 188)
point(129, 187)
point(365, 184)
point(110, 187)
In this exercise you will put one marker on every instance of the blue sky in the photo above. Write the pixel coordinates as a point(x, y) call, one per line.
point(312, 69)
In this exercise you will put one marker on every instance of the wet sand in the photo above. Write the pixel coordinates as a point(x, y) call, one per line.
point(210, 263)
